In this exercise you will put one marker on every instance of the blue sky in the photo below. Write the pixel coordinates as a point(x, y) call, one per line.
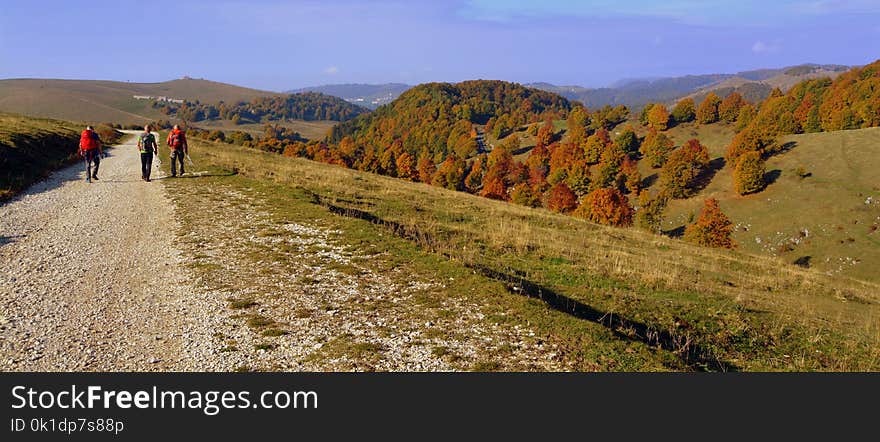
point(279, 45)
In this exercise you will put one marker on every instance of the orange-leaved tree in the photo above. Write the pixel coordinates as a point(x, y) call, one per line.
point(729, 108)
point(685, 164)
point(748, 176)
point(656, 148)
point(684, 111)
point(712, 228)
point(426, 168)
point(606, 206)
point(545, 135)
point(708, 110)
point(658, 117)
point(561, 199)
point(406, 167)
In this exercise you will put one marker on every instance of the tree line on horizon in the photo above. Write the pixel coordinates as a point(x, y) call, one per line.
point(307, 106)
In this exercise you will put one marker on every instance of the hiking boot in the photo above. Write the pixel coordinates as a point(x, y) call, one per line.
point(95, 177)
point(147, 180)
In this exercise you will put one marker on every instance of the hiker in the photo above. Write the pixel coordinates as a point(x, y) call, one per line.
point(147, 146)
point(179, 149)
point(91, 149)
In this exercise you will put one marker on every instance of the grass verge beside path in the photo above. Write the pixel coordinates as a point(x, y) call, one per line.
point(610, 299)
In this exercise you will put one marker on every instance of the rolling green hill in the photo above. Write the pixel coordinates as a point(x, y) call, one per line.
point(110, 101)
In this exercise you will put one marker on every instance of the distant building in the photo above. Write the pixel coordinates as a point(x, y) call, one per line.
point(165, 99)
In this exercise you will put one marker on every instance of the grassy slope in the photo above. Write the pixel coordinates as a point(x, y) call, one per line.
point(30, 148)
point(844, 231)
point(109, 101)
point(605, 295)
point(830, 205)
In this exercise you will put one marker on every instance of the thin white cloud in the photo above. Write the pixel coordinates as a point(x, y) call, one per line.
point(332, 70)
point(761, 47)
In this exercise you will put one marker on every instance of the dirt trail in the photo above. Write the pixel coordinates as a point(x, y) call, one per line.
point(90, 278)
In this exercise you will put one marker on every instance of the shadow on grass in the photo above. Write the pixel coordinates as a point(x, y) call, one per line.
point(693, 355)
point(708, 173)
point(781, 149)
point(771, 177)
point(677, 232)
point(649, 180)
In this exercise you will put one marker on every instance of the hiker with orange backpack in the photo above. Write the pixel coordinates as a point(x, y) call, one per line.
point(91, 149)
point(179, 149)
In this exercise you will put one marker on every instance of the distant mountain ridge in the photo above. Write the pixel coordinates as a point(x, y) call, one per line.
point(370, 96)
point(635, 93)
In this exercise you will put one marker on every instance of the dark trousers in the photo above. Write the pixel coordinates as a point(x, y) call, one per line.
point(177, 155)
point(91, 156)
point(146, 164)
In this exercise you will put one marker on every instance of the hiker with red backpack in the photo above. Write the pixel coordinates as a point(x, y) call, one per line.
point(179, 149)
point(91, 149)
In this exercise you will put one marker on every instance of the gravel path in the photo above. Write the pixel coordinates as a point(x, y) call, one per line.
point(90, 278)
point(117, 275)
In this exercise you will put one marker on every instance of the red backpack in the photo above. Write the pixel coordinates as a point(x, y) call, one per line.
point(88, 140)
point(175, 140)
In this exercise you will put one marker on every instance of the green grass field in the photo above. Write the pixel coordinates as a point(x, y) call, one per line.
point(613, 299)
